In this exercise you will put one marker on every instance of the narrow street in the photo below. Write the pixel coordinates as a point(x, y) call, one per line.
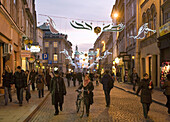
point(125, 107)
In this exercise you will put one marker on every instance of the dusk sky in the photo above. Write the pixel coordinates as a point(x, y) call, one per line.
point(96, 10)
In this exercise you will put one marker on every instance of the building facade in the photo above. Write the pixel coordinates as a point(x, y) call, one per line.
point(52, 45)
point(148, 11)
point(17, 21)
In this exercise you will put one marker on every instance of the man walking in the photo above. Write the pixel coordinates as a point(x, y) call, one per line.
point(58, 90)
point(108, 83)
point(32, 78)
point(134, 79)
point(146, 86)
point(20, 83)
point(68, 76)
point(79, 77)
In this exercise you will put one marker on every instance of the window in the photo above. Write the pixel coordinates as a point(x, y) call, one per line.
point(14, 1)
point(154, 23)
point(55, 44)
point(46, 44)
point(55, 57)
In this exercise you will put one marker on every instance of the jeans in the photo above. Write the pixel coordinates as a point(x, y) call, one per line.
point(41, 93)
point(146, 107)
point(74, 82)
point(68, 81)
point(107, 97)
point(33, 86)
point(134, 85)
point(7, 92)
point(87, 103)
point(20, 95)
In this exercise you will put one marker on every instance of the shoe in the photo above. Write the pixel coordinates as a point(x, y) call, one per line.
point(10, 100)
point(87, 114)
point(56, 113)
point(107, 105)
point(20, 103)
point(6, 104)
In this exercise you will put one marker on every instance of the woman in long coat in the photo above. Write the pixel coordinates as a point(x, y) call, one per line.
point(146, 86)
point(88, 87)
point(58, 90)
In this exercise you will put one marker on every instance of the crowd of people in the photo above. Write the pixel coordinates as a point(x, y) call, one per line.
point(54, 81)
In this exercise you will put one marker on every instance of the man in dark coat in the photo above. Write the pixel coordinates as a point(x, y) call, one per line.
point(74, 77)
point(134, 79)
point(79, 77)
point(107, 82)
point(48, 79)
point(68, 76)
point(58, 90)
point(146, 86)
point(20, 81)
point(32, 78)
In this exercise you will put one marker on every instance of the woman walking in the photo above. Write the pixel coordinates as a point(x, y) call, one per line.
point(166, 86)
point(88, 87)
point(146, 86)
point(7, 83)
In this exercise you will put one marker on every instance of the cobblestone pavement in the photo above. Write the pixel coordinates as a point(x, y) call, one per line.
point(125, 107)
point(15, 113)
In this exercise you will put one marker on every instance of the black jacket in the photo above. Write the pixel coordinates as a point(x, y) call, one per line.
point(7, 79)
point(146, 92)
point(20, 80)
point(107, 81)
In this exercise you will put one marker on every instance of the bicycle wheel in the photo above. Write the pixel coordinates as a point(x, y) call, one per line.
point(78, 102)
point(81, 109)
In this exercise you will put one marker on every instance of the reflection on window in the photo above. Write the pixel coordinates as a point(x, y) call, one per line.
point(46, 44)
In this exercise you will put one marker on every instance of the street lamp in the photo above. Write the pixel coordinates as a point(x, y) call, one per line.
point(117, 60)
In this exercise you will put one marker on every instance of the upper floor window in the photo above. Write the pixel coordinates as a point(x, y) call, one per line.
point(55, 57)
point(46, 44)
point(132, 9)
point(55, 44)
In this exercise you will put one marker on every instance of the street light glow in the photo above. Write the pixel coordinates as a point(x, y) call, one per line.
point(117, 60)
point(115, 15)
point(103, 42)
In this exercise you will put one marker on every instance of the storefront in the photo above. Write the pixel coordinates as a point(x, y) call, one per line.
point(164, 46)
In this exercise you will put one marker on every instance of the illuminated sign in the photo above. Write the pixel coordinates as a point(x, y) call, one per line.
point(35, 49)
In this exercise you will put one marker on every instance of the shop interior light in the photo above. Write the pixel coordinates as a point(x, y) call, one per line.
point(117, 60)
point(55, 68)
point(133, 57)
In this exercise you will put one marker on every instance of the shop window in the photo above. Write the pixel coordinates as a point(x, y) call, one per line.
point(55, 57)
point(46, 44)
point(154, 23)
point(14, 1)
point(55, 44)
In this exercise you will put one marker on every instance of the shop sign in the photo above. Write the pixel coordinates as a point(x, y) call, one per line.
point(35, 49)
point(25, 53)
point(126, 58)
point(31, 60)
point(164, 29)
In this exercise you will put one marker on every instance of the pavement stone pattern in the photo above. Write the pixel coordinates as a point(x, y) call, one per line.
point(125, 107)
point(15, 113)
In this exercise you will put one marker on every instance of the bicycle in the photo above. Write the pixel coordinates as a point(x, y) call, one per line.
point(80, 102)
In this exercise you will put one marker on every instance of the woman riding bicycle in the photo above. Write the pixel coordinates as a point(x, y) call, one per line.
point(88, 87)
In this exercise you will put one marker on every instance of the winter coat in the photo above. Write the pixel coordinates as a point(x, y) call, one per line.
point(68, 76)
point(132, 78)
point(74, 77)
point(57, 90)
point(91, 75)
point(48, 79)
point(146, 93)
point(20, 80)
point(79, 77)
point(107, 82)
point(7, 79)
point(32, 76)
point(166, 86)
point(90, 88)
point(40, 81)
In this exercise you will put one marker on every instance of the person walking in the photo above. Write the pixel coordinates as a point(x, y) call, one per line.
point(134, 79)
point(97, 79)
point(40, 80)
point(32, 78)
point(74, 76)
point(28, 94)
point(88, 87)
point(57, 90)
point(118, 76)
point(166, 86)
point(68, 76)
point(79, 77)
point(7, 83)
point(91, 75)
point(20, 83)
point(146, 87)
point(48, 80)
point(108, 84)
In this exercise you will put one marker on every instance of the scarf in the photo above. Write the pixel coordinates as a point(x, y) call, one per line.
point(86, 81)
